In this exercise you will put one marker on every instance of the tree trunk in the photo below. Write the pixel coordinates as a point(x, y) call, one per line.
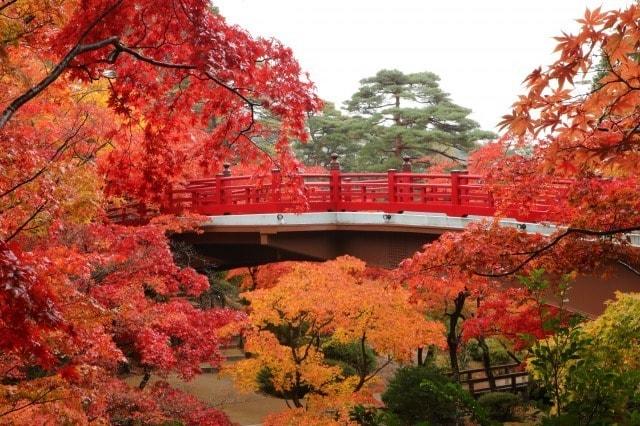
point(424, 358)
point(453, 357)
point(363, 363)
point(145, 379)
point(453, 338)
point(511, 354)
point(486, 362)
point(397, 143)
point(296, 391)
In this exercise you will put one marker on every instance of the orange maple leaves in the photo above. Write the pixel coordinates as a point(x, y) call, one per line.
point(595, 129)
point(334, 300)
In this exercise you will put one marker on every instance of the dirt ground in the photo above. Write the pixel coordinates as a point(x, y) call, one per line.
point(243, 408)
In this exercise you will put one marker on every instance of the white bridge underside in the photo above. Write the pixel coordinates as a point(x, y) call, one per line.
point(431, 223)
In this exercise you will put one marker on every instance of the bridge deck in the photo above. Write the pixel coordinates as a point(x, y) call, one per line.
point(418, 222)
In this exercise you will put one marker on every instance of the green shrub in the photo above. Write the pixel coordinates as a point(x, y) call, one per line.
point(371, 416)
point(424, 394)
point(499, 405)
point(497, 352)
point(348, 356)
point(473, 350)
point(265, 384)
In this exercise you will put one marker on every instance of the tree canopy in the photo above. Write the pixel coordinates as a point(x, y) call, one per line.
point(331, 131)
point(410, 115)
point(106, 102)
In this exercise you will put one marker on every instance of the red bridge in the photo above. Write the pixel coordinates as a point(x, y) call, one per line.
point(381, 218)
point(456, 194)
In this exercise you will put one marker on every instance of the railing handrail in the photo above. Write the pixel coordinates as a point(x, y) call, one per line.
point(454, 194)
point(493, 367)
point(515, 374)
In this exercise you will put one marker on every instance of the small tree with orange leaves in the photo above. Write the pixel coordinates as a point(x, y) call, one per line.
point(314, 303)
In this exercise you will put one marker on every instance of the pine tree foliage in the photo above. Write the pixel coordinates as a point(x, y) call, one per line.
point(410, 115)
point(332, 131)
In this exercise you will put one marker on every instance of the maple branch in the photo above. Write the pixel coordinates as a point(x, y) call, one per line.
point(435, 151)
point(55, 73)
point(539, 251)
point(7, 4)
point(379, 369)
point(229, 88)
point(21, 227)
point(264, 151)
point(39, 399)
point(119, 48)
point(99, 18)
point(444, 154)
point(145, 378)
point(60, 149)
point(51, 77)
point(613, 71)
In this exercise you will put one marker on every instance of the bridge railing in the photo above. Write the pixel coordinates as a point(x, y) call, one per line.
point(455, 194)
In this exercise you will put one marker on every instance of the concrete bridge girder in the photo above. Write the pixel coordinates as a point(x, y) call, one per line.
point(378, 238)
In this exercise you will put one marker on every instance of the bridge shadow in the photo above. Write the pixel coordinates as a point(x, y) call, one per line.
point(222, 251)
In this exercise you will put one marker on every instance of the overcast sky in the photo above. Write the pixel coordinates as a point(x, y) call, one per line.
point(482, 50)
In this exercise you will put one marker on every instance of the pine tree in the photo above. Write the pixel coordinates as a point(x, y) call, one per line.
point(410, 115)
point(331, 131)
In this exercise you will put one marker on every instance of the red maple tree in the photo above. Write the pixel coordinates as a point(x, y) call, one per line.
point(111, 101)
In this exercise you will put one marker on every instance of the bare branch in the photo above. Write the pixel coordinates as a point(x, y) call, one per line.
point(21, 227)
point(59, 151)
point(541, 250)
point(7, 4)
point(39, 399)
point(51, 77)
point(119, 48)
point(78, 49)
point(629, 267)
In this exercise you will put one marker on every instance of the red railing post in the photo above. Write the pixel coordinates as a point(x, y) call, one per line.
point(276, 181)
point(195, 200)
point(346, 194)
point(490, 199)
point(456, 200)
point(391, 186)
point(335, 181)
point(218, 190)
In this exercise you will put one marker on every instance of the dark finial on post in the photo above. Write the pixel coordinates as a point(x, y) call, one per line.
point(334, 164)
point(227, 169)
point(406, 165)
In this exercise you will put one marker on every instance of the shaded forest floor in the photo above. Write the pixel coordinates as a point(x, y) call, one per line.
point(219, 392)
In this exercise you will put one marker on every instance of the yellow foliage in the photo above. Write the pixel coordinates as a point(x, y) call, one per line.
point(302, 417)
point(617, 331)
point(314, 301)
